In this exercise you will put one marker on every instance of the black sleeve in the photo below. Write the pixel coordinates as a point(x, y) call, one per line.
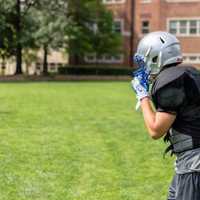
point(171, 97)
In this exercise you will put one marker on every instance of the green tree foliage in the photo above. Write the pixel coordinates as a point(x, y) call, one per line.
point(7, 32)
point(17, 30)
point(79, 26)
point(90, 29)
point(52, 21)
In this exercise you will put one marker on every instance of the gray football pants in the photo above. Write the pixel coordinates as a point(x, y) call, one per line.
point(185, 187)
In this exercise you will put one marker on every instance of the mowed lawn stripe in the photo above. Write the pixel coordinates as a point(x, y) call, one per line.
point(77, 141)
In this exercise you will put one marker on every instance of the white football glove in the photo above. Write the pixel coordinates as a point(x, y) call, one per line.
point(141, 91)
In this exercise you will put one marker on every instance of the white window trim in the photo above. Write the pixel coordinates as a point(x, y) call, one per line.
point(182, 1)
point(145, 1)
point(187, 60)
point(113, 2)
point(178, 28)
point(124, 33)
point(104, 60)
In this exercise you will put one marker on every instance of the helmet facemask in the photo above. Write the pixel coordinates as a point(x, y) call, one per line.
point(153, 63)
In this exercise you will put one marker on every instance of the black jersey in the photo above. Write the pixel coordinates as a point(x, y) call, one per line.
point(176, 90)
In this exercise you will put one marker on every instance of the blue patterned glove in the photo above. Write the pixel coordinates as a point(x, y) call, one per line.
point(142, 73)
point(140, 81)
point(139, 89)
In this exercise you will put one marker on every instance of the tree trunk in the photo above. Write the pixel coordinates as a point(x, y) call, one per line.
point(3, 67)
point(132, 7)
point(18, 34)
point(45, 61)
point(76, 59)
point(19, 59)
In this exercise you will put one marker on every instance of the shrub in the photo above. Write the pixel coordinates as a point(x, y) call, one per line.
point(100, 71)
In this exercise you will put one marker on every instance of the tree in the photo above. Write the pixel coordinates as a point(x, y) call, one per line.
point(23, 30)
point(90, 29)
point(18, 28)
point(52, 23)
point(79, 26)
point(7, 33)
point(106, 40)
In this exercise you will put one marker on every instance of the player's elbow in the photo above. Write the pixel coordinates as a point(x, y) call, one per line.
point(155, 133)
point(155, 136)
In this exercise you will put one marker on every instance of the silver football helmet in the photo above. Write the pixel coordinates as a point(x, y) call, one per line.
point(158, 50)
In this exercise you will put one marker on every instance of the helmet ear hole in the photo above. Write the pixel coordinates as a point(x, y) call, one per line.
point(162, 40)
point(155, 59)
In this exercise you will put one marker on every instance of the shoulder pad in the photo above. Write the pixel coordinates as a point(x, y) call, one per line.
point(167, 76)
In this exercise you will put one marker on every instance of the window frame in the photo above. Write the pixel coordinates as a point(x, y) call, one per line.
point(188, 27)
point(145, 1)
point(113, 1)
point(188, 57)
point(143, 28)
point(121, 21)
point(124, 33)
point(104, 59)
point(182, 1)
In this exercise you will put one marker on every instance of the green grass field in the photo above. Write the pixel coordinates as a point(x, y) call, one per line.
point(77, 141)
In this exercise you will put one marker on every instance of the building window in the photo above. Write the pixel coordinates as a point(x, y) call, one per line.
point(145, 27)
point(114, 1)
point(191, 58)
point(184, 27)
point(104, 59)
point(118, 26)
point(193, 27)
point(181, 1)
point(145, 1)
point(90, 58)
point(173, 27)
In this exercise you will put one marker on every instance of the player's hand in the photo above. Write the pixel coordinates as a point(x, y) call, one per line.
point(140, 90)
point(142, 73)
point(140, 82)
point(139, 61)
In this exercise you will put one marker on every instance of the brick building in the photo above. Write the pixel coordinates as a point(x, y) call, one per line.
point(135, 18)
point(180, 17)
point(123, 23)
point(55, 59)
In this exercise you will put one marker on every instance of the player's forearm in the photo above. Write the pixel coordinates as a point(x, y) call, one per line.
point(150, 119)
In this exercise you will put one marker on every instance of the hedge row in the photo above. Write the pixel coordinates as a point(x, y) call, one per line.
point(95, 71)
